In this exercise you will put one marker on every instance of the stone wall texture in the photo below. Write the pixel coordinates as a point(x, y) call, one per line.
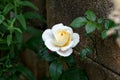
point(104, 64)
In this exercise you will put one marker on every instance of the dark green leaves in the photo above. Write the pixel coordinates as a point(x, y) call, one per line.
point(12, 24)
point(2, 18)
point(100, 20)
point(25, 72)
point(35, 41)
point(19, 38)
point(90, 27)
point(22, 21)
point(7, 8)
point(109, 24)
point(55, 70)
point(74, 74)
point(103, 34)
point(29, 4)
point(92, 23)
point(34, 31)
point(9, 39)
point(78, 22)
point(34, 15)
point(88, 22)
point(85, 51)
point(46, 55)
point(17, 29)
point(71, 60)
point(90, 15)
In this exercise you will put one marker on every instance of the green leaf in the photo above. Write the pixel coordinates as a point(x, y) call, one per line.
point(22, 21)
point(2, 78)
point(34, 15)
point(25, 72)
point(99, 27)
point(9, 39)
point(2, 18)
point(70, 60)
point(74, 74)
point(109, 24)
point(85, 51)
point(19, 38)
point(55, 70)
point(90, 15)
point(90, 27)
point(78, 22)
point(46, 55)
point(103, 34)
point(34, 31)
point(83, 54)
point(8, 8)
point(100, 20)
point(29, 4)
point(17, 29)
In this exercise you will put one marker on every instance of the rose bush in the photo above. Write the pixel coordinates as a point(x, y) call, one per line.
point(60, 39)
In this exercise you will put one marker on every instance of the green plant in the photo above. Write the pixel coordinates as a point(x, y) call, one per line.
point(94, 26)
point(62, 67)
point(13, 25)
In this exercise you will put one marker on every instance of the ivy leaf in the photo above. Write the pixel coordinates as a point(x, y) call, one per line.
point(22, 21)
point(29, 4)
point(90, 27)
point(55, 70)
point(103, 34)
point(85, 51)
point(8, 8)
point(100, 20)
point(109, 24)
point(90, 15)
point(78, 22)
point(34, 15)
point(2, 18)
point(9, 39)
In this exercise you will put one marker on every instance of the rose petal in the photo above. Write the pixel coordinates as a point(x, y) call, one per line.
point(60, 26)
point(68, 46)
point(47, 34)
point(57, 27)
point(76, 39)
point(69, 29)
point(49, 44)
point(65, 53)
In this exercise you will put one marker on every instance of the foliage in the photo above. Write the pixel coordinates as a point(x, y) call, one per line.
point(13, 24)
point(93, 27)
point(62, 68)
point(92, 23)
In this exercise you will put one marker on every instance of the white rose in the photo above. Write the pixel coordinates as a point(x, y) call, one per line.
point(60, 39)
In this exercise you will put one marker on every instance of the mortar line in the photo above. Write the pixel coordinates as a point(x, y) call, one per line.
point(116, 73)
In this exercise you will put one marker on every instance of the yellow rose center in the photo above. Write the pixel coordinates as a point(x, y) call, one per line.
point(62, 38)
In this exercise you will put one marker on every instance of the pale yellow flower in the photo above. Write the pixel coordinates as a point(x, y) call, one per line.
point(60, 39)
